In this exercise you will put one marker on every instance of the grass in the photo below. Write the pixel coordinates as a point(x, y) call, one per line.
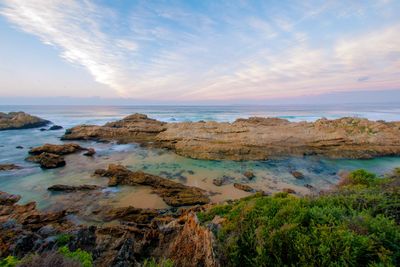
point(355, 225)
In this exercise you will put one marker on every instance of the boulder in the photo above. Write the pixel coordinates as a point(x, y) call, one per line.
point(47, 160)
point(90, 152)
point(249, 175)
point(20, 120)
point(288, 190)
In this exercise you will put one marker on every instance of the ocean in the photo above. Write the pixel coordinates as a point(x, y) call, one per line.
point(31, 182)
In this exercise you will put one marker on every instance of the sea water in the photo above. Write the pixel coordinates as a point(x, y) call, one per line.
point(31, 182)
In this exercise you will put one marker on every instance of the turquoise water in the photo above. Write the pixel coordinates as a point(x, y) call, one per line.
point(272, 175)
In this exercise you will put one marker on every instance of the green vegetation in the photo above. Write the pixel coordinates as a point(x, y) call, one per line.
point(63, 239)
point(84, 257)
point(153, 263)
point(10, 261)
point(356, 224)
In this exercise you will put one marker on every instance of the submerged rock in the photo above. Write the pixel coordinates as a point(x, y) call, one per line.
point(9, 167)
point(243, 187)
point(47, 160)
point(173, 193)
point(297, 174)
point(90, 152)
point(249, 175)
point(20, 120)
point(254, 138)
point(72, 188)
point(8, 199)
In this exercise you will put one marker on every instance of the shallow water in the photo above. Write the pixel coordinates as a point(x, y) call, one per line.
point(272, 175)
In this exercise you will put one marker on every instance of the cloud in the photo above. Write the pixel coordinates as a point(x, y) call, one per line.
point(219, 51)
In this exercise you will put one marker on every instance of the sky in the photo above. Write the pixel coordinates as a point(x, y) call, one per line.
point(199, 51)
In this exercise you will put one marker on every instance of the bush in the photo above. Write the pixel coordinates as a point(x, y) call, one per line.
point(84, 257)
point(359, 177)
point(49, 259)
point(356, 225)
point(9, 261)
point(63, 239)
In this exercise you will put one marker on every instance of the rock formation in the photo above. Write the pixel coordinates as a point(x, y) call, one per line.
point(9, 167)
point(72, 188)
point(174, 194)
point(47, 160)
point(253, 138)
point(20, 120)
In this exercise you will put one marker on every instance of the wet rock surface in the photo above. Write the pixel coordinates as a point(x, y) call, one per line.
point(72, 188)
point(254, 138)
point(243, 187)
point(47, 160)
point(63, 149)
point(55, 128)
point(20, 120)
point(9, 167)
point(174, 194)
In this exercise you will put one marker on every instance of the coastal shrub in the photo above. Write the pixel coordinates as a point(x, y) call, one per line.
point(153, 263)
point(63, 239)
point(359, 177)
point(354, 225)
point(9, 261)
point(48, 259)
point(84, 257)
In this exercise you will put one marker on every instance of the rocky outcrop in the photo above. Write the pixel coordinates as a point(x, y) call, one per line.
point(20, 120)
point(55, 128)
point(174, 194)
point(8, 199)
point(134, 128)
point(133, 236)
point(254, 138)
point(50, 156)
point(73, 188)
point(47, 160)
point(9, 167)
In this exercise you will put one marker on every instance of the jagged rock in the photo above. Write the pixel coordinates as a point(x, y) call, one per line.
point(90, 152)
point(8, 199)
point(47, 160)
point(9, 167)
point(243, 187)
point(249, 175)
point(56, 149)
point(297, 174)
point(20, 120)
point(71, 188)
point(55, 128)
point(253, 138)
point(174, 194)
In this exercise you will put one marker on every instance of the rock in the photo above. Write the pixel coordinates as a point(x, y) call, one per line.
point(223, 180)
point(174, 194)
point(90, 152)
point(42, 129)
point(71, 188)
point(19, 147)
point(47, 160)
point(309, 186)
point(249, 175)
point(20, 120)
point(288, 190)
point(8, 199)
point(218, 181)
point(56, 149)
point(243, 187)
point(9, 167)
point(55, 128)
point(254, 138)
point(297, 174)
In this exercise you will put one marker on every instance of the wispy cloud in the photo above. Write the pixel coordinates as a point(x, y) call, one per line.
point(220, 50)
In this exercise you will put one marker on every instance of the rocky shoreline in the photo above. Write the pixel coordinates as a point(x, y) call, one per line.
point(254, 138)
